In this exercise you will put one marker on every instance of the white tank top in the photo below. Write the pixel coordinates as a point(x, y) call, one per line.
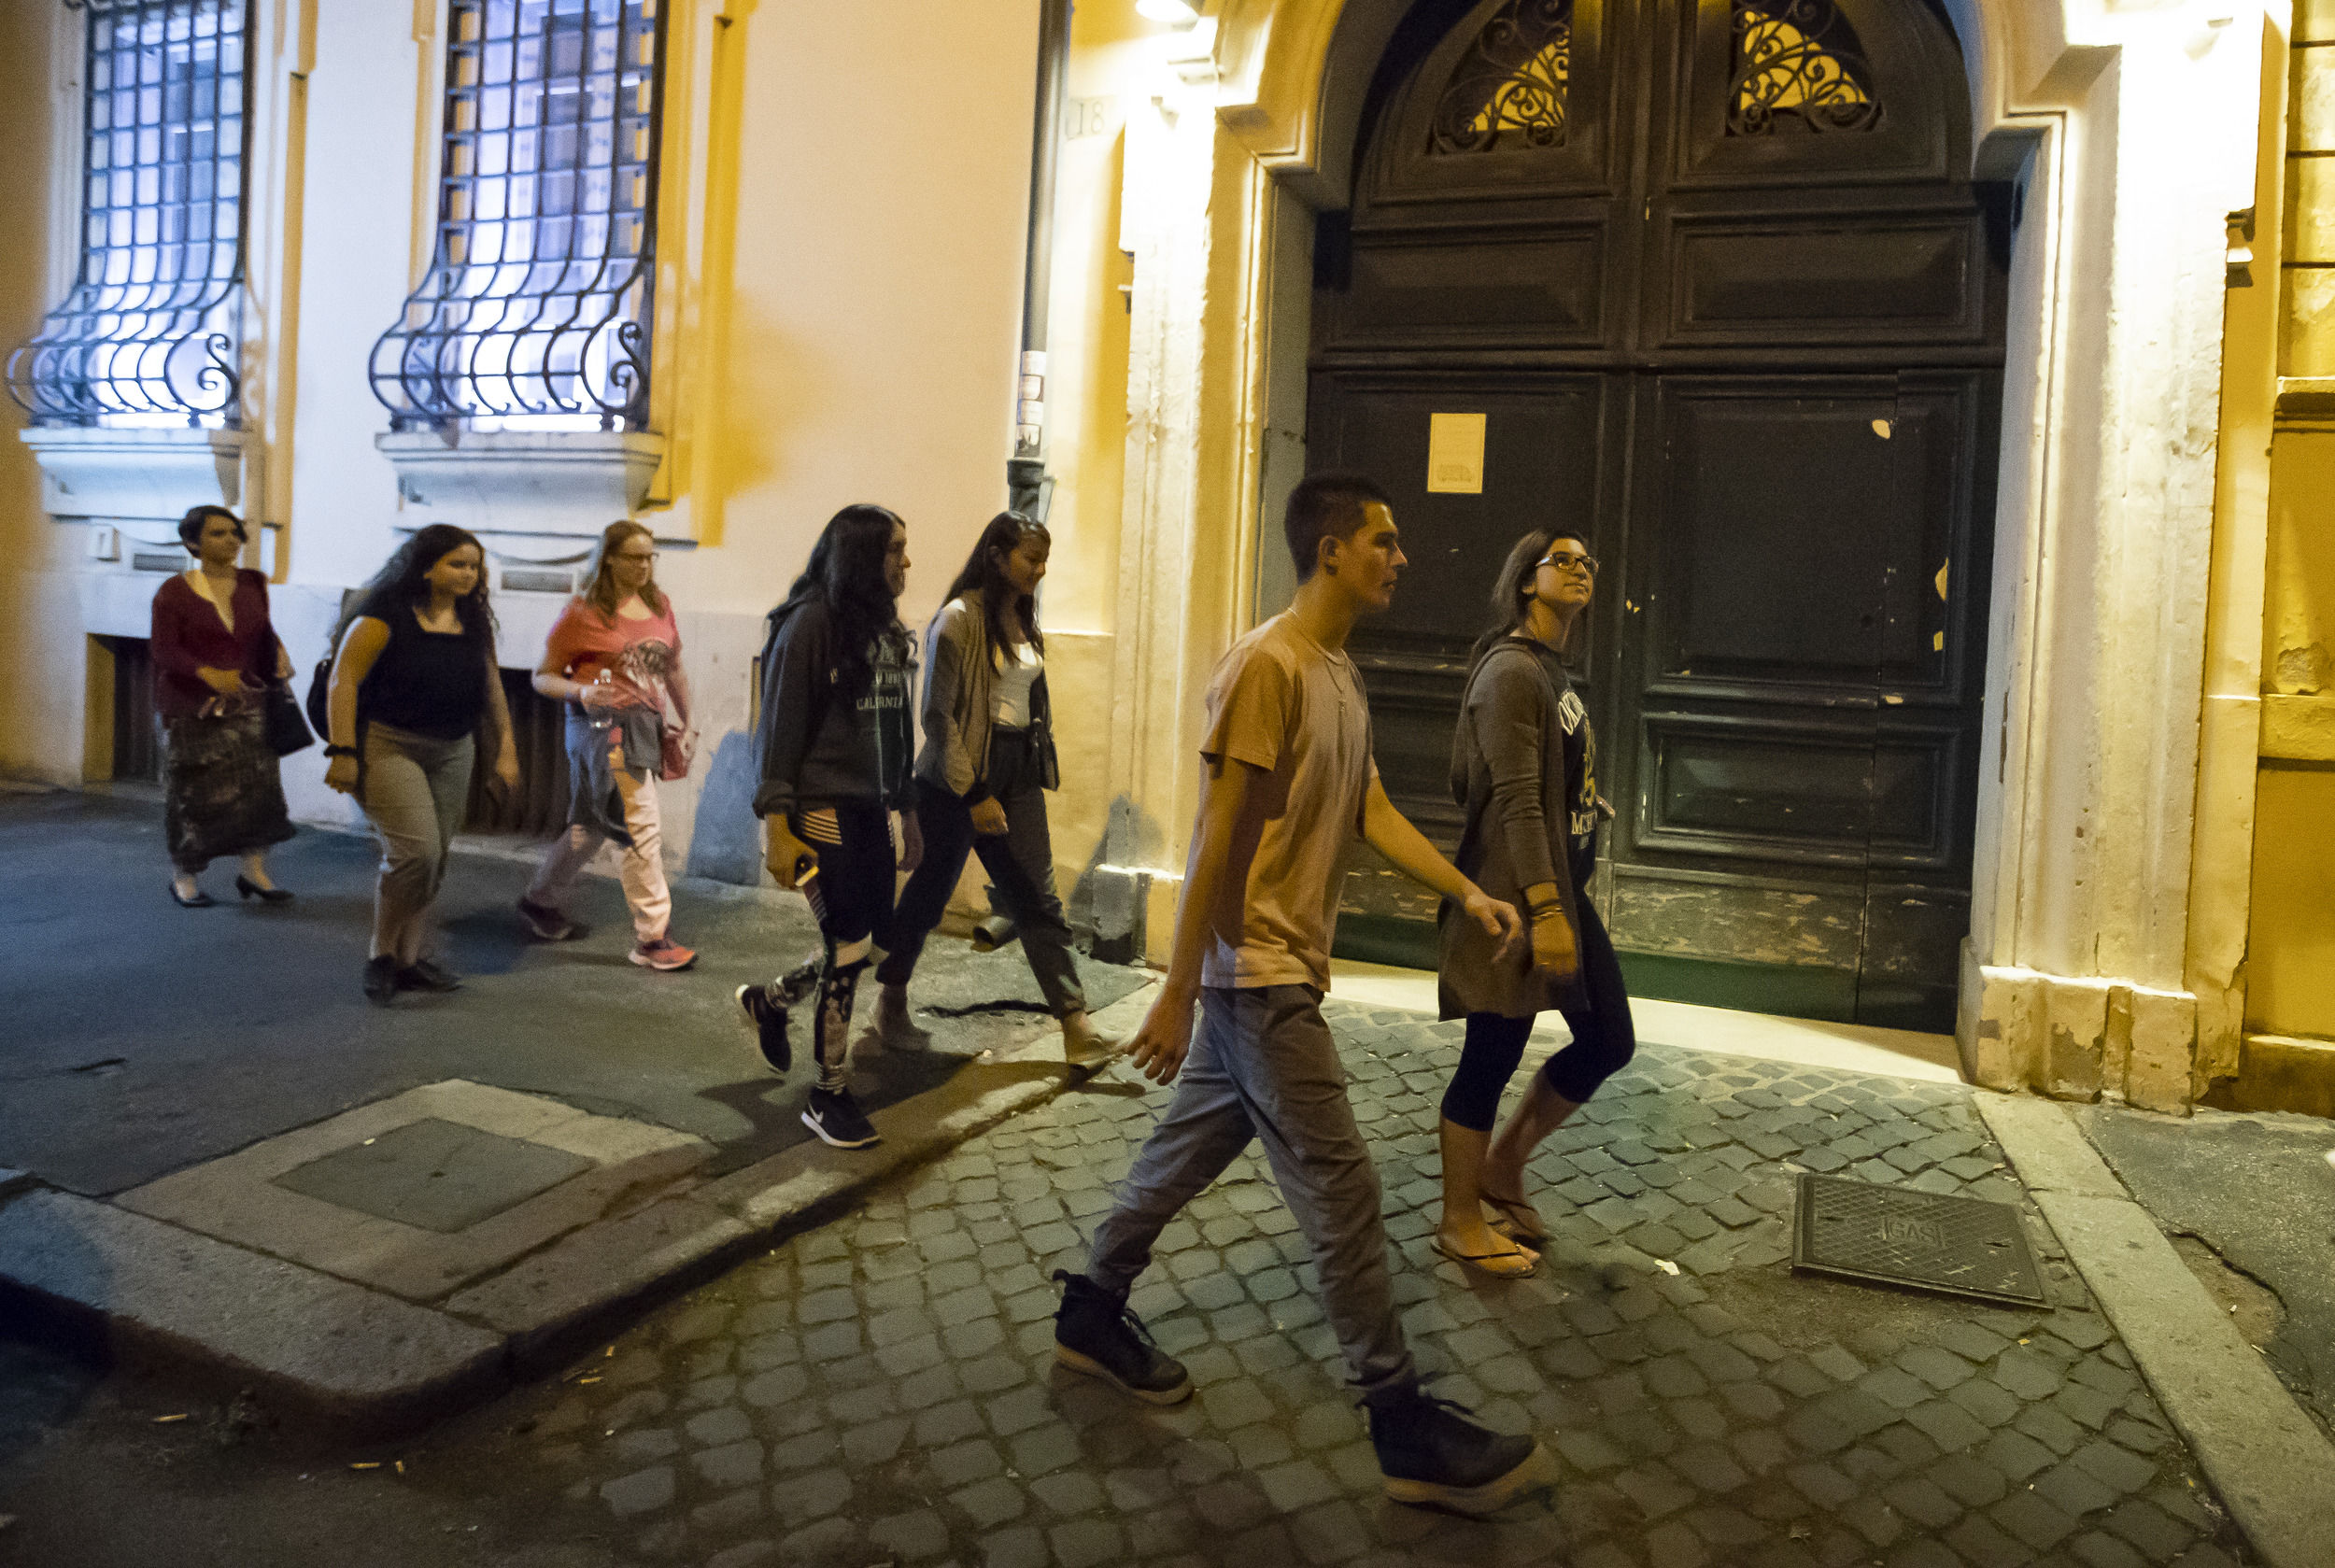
point(1022, 669)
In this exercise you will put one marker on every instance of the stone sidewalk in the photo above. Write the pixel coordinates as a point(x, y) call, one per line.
point(882, 1389)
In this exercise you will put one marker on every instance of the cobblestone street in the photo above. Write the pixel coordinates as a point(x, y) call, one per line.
point(882, 1389)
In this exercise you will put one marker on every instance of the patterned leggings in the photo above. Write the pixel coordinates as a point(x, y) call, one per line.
point(852, 899)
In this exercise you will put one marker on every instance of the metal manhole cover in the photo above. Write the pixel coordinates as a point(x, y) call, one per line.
point(1895, 1235)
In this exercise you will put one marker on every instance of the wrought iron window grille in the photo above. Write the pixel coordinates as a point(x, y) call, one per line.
point(536, 311)
point(1510, 87)
point(1797, 66)
point(151, 333)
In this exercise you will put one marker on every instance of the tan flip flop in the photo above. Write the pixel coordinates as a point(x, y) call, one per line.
point(1516, 1263)
point(1518, 1221)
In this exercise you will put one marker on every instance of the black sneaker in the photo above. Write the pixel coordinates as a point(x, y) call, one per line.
point(1430, 1453)
point(422, 975)
point(1094, 1333)
point(381, 980)
point(547, 924)
point(769, 1025)
point(835, 1116)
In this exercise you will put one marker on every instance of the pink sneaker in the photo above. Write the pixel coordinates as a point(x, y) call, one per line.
point(663, 954)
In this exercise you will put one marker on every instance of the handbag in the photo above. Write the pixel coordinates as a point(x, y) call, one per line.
point(676, 749)
point(286, 731)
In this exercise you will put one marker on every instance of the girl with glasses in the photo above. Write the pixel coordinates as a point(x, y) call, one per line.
point(1524, 767)
point(615, 657)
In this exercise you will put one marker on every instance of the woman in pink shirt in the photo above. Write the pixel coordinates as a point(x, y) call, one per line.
point(615, 658)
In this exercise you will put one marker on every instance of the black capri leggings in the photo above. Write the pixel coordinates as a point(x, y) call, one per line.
point(1604, 1039)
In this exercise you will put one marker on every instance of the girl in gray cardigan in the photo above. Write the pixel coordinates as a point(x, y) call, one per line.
point(987, 760)
point(1524, 766)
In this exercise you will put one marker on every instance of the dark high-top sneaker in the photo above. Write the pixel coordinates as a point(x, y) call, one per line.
point(1094, 1333)
point(1430, 1453)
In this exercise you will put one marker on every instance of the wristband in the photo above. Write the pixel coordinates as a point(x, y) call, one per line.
point(340, 751)
point(1543, 911)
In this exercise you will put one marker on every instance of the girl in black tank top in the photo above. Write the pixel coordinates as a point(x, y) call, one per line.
point(426, 683)
point(405, 702)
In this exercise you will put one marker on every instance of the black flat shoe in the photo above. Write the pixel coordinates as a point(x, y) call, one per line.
point(247, 888)
point(425, 976)
point(381, 980)
point(201, 901)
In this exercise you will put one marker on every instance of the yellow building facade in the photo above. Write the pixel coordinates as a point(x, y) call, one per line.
point(841, 203)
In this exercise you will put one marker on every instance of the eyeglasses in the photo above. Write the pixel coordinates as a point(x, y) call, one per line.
point(1566, 560)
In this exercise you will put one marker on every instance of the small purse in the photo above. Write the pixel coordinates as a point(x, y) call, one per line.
point(286, 731)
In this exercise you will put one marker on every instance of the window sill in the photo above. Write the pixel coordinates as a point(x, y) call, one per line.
point(136, 474)
point(555, 483)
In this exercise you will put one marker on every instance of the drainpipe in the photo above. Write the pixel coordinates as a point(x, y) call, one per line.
point(1029, 486)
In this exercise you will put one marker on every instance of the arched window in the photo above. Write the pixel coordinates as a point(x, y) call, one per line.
point(1797, 66)
point(1509, 88)
point(536, 311)
point(153, 331)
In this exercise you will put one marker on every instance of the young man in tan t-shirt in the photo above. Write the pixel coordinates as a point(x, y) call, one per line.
point(1290, 782)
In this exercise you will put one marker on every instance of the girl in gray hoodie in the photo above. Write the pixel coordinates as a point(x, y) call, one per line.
point(835, 740)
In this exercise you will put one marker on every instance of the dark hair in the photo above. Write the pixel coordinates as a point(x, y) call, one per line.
point(985, 573)
point(846, 573)
point(190, 526)
point(600, 587)
point(1513, 588)
point(403, 581)
point(1326, 506)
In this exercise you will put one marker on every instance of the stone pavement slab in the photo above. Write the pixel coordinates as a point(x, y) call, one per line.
point(439, 1175)
point(249, 1198)
point(882, 1388)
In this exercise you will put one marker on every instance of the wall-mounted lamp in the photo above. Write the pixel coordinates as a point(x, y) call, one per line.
point(1176, 13)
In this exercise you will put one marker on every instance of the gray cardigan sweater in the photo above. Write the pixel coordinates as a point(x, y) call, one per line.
point(961, 703)
point(1524, 766)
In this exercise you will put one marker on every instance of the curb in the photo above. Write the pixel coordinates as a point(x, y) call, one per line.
point(2265, 1457)
point(349, 1362)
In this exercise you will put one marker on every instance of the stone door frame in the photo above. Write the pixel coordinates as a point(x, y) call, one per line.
point(2106, 779)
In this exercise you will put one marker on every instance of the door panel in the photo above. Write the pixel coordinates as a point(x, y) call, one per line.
point(1750, 281)
point(1542, 292)
point(1754, 787)
point(1772, 521)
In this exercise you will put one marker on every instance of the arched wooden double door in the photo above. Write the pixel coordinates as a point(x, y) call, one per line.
point(1713, 276)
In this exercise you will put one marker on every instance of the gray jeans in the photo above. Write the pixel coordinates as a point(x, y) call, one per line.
point(415, 790)
point(1263, 1065)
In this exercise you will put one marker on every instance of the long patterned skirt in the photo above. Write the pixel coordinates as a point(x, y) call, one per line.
point(223, 789)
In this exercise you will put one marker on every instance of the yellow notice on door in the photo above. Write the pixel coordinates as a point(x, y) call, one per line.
point(1455, 454)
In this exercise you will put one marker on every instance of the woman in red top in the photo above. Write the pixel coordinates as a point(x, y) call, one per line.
point(214, 654)
point(615, 658)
